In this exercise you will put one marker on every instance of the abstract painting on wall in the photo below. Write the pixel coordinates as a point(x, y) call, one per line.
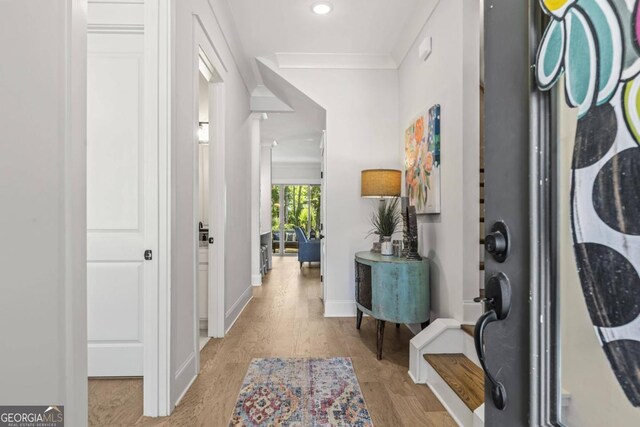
point(422, 162)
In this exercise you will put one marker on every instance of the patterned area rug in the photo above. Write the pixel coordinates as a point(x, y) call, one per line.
point(301, 392)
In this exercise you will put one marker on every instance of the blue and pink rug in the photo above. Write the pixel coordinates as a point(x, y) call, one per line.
point(301, 392)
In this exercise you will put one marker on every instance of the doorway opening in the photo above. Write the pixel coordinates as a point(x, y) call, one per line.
point(209, 206)
point(296, 213)
point(203, 208)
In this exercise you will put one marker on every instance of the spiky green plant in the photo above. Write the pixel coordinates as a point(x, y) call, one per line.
point(386, 219)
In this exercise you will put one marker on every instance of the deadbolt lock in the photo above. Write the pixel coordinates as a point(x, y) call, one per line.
point(497, 241)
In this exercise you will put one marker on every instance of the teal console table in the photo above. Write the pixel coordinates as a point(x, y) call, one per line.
point(391, 289)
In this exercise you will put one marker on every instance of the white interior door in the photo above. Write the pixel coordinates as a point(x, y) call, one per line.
point(122, 205)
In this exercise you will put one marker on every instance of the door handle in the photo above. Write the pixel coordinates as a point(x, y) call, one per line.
point(498, 304)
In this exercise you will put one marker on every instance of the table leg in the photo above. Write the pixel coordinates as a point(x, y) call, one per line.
point(397, 325)
point(358, 318)
point(380, 324)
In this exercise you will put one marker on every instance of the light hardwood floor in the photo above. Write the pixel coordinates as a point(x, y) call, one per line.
point(285, 319)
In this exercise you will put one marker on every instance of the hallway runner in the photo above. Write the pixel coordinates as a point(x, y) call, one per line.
point(301, 392)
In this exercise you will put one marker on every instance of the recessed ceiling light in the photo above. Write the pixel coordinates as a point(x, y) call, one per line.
point(322, 7)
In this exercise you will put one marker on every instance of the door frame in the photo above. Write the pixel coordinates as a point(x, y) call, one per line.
point(157, 298)
point(206, 61)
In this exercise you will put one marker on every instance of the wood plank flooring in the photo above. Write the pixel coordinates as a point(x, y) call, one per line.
point(285, 319)
point(464, 377)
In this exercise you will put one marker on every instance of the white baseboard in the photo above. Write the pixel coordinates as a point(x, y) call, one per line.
point(179, 399)
point(237, 308)
point(256, 280)
point(185, 376)
point(339, 308)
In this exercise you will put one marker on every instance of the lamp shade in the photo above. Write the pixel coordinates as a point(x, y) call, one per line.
point(381, 183)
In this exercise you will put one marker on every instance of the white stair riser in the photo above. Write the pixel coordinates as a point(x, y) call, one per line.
point(470, 349)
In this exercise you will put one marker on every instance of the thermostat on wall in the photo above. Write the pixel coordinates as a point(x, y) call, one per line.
point(425, 49)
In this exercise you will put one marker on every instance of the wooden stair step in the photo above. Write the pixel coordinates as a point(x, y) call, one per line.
point(464, 377)
point(469, 329)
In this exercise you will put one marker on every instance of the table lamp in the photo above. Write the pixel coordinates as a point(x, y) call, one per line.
point(382, 184)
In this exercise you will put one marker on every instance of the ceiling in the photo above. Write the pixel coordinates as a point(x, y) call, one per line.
point(384, 28)
point(266, 27)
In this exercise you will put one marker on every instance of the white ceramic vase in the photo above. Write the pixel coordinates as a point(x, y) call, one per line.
point(386, 246)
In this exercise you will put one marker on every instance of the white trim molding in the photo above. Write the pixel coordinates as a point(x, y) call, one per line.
point(237, 308)
point(336, 61)
point(157, 299)
point(339, 308)
point(75, 224)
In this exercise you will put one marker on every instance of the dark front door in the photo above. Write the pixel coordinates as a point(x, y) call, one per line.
point(508, 95)
point(560, 339)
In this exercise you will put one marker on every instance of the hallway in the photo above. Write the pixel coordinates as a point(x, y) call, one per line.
point(284, 319)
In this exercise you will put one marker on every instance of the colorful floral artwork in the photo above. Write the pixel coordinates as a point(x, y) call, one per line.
point(595, 43)
point(422, 157)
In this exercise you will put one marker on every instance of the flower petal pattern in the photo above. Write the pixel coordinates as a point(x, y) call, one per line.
point(580, 62)
point(550, 55)
point(631, 107)
point(609, 46)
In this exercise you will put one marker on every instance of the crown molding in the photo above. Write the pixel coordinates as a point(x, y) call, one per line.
point(340, 61)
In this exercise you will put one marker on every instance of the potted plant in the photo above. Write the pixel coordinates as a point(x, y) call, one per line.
point(385, 221)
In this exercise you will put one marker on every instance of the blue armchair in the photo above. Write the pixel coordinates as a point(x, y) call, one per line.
point(308, 250)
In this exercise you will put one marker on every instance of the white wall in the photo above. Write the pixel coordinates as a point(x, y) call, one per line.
point(450, 77)
point(237, 263)
point(362, 122)
point(296, 173)
point(43, 356)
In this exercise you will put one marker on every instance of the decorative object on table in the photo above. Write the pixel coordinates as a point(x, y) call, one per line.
point(377, 246)
point(391, 289)
point(301, 392)
point(397, 248)
point(382, 184)
point(385, 222)
point(412, 233)
point(422, 162)
point(404, 204)
point(386, 247)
